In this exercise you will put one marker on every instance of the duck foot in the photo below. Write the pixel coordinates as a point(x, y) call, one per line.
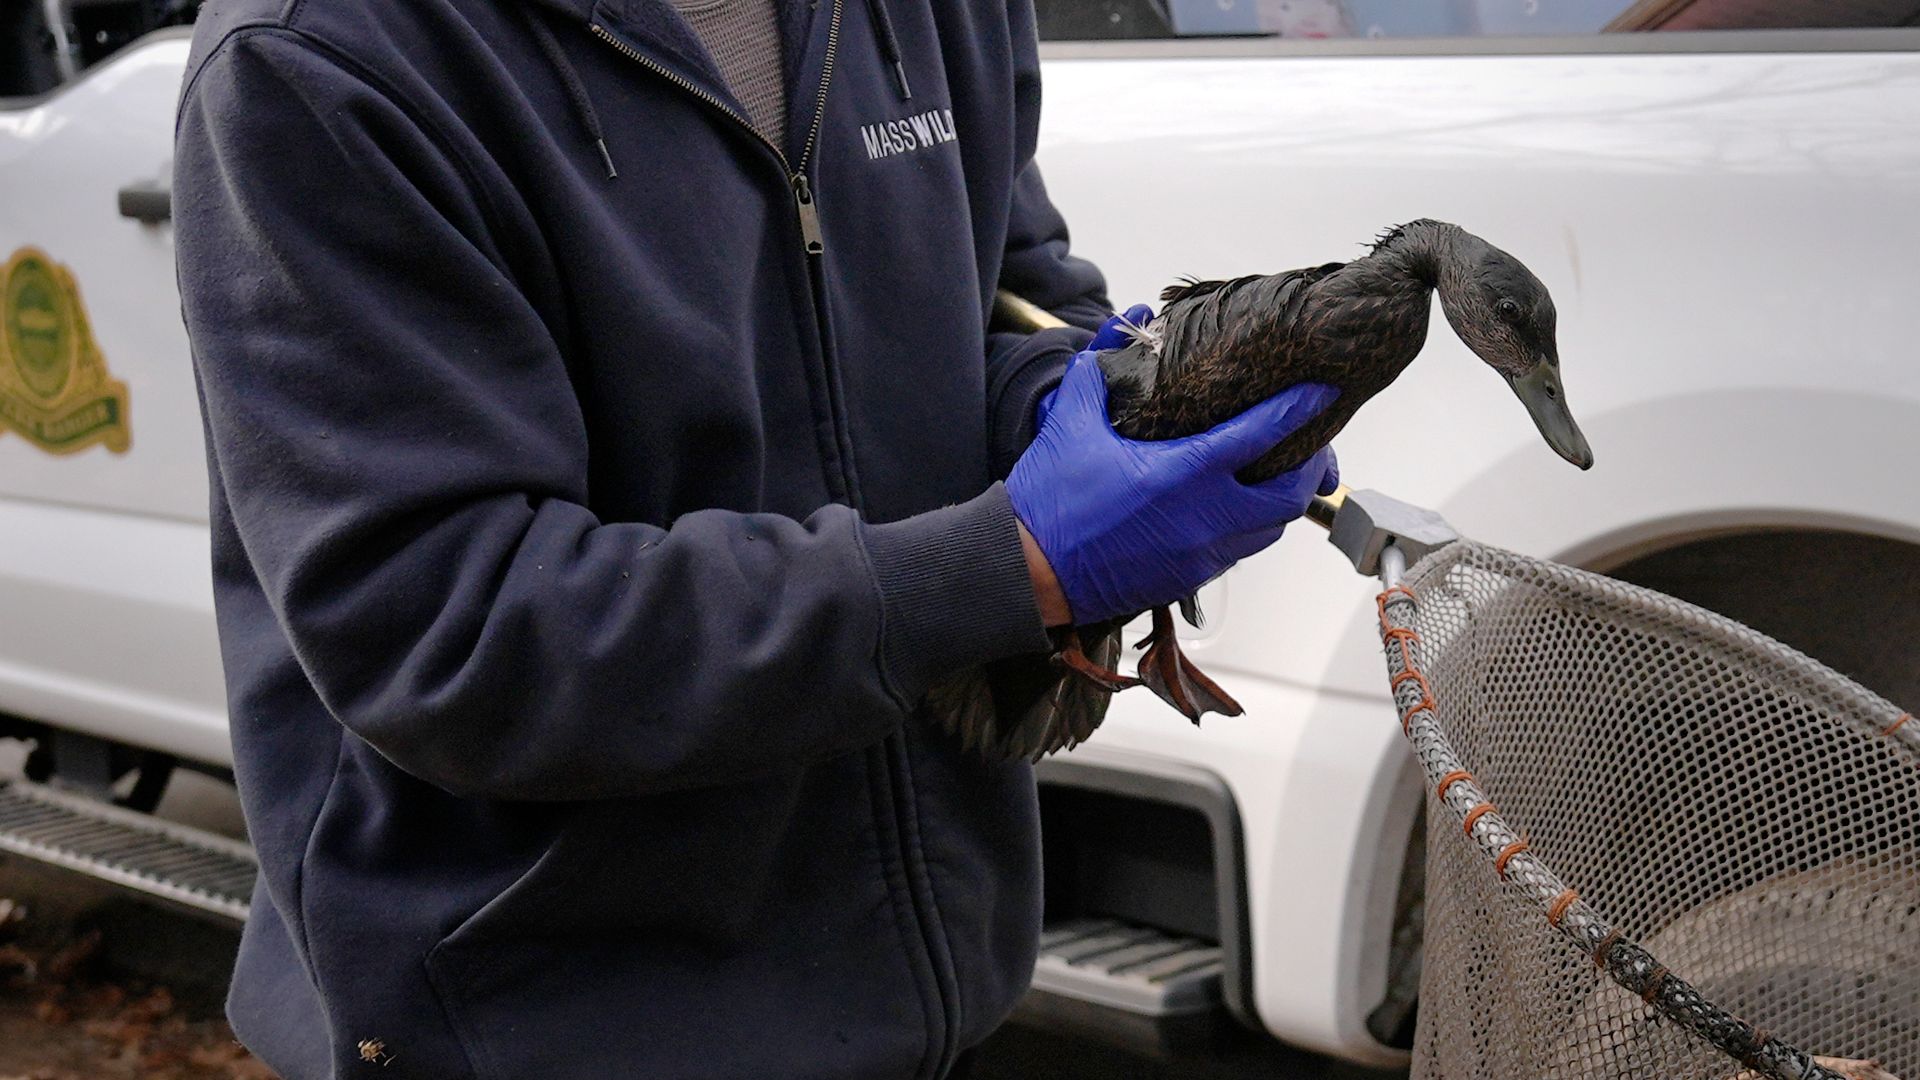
point(1072, 657)
point(1167, 672)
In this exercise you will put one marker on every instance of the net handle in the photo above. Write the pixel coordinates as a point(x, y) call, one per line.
point(1626, 962)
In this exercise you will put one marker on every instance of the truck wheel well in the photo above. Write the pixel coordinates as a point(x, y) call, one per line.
point(1833, 595)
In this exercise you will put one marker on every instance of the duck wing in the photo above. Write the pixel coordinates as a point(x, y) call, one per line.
point(1203, 315)
point(1026, 707)
point(1199, 319)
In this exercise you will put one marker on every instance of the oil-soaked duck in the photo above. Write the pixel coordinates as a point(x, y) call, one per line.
point(1219, 347)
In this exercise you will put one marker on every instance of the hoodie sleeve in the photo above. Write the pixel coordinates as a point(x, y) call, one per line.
point(395, 438)
point(1039, 267)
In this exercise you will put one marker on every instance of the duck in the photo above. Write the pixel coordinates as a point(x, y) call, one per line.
point(1217, 348)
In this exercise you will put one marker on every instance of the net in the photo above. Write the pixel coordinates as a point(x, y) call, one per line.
point(1659, 843)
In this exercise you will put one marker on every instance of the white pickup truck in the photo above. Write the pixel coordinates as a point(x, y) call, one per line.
point(1725, 218)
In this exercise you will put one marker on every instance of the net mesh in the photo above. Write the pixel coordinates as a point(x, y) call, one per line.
point(1747, 815)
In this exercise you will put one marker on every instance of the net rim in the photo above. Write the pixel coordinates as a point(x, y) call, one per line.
point(1625, 961)
point(1870, 713)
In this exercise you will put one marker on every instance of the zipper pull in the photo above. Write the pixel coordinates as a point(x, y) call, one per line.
point(809, 216)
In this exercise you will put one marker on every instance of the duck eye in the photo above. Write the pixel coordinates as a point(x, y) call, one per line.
point(1507, 309)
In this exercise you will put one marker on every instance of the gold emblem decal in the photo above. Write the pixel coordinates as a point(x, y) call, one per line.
point(55, 389)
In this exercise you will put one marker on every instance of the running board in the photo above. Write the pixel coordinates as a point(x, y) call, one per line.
point(1135, 969)
point(178, 863)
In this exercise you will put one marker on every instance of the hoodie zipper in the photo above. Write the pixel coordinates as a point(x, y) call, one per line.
point(805, 209)
point(796, 174)
point(811, 240)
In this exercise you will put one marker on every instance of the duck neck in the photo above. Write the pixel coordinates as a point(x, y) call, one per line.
point(1425, 251)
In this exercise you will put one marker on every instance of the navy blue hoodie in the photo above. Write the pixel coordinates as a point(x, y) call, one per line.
point(582, 543)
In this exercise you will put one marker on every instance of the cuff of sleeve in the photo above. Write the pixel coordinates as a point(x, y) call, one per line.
point(954, 592)
point(1030, 370)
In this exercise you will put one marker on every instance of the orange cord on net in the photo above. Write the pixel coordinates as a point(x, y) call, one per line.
point(1382, 600)
point(1404, 635)
point(1606, 945)
point(1904, 717)
point(1506, 855)
point(1474, 815)
point(1559, 909)
point(1761, 1037)
point(1406, 720)
point(1654, 978)
point(1449, 780)
point(1406, 648)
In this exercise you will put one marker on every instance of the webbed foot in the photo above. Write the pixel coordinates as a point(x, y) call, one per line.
point(1167, 672)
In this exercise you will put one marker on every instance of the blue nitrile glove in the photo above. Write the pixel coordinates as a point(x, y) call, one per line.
point(1109, 336)
point(1128, 525)
point(1112, 336)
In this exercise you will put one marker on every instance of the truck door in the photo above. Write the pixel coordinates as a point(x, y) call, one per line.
point(104, 578)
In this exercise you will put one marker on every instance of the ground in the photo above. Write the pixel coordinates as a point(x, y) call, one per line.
point(97, 986)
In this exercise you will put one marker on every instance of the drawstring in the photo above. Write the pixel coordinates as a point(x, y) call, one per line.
point(889, 45)
point(589, 119)
point(576, 90)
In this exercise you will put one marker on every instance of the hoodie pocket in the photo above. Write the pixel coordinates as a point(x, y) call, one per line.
point(734, 932)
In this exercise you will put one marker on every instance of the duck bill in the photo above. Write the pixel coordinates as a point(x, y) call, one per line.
point(1539, 390)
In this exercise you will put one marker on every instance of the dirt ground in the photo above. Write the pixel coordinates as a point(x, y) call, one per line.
point(93, 986)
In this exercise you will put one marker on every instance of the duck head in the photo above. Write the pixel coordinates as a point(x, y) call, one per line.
point(1505, 316)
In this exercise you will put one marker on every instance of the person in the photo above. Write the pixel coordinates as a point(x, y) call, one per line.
point(605, 446)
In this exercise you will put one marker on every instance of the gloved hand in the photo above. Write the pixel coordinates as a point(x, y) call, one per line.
point(1129, 525)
